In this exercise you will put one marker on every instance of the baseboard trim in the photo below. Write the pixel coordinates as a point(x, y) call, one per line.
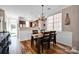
point(64, 45)
point(75, 51)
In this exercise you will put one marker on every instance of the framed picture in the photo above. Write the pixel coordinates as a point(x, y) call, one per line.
point(67, 19)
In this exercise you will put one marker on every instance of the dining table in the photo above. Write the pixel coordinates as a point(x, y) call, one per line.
point(38, 39)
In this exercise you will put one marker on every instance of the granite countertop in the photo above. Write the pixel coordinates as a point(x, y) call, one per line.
point(3, 35)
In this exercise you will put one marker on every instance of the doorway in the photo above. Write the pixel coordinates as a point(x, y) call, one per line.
point(12, 27)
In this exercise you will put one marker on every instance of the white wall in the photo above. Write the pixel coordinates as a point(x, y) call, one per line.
point(64, 37)
point(74, 24)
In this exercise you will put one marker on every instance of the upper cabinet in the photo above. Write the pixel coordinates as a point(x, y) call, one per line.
point(22, 24)
point(35, 23)
point(2, 20)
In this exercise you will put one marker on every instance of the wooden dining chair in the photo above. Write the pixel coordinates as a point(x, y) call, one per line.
point(45, 42)
point(37, 41)
point(34, 31)
point(53, 37)
point(32, 38)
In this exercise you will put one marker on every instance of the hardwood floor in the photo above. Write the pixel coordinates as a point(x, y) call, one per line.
point(58, 49)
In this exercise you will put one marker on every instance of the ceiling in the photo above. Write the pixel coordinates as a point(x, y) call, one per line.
point(30, 12)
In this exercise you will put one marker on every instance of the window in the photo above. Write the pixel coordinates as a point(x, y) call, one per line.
point(50, 23)
point(54, 22)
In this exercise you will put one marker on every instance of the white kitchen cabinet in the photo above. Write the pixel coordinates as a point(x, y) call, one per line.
point(2, 20)
point(1, 24)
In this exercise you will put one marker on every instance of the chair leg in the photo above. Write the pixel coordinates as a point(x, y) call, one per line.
point(54, 39)
point(42, 47)
point(38, 46)
point(32, 42)
point(54, 43)
point(48, 45)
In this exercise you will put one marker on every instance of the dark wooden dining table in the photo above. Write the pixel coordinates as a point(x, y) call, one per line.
point(38, 38)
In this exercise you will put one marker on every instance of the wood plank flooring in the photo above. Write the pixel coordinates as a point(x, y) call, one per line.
point(58, 49)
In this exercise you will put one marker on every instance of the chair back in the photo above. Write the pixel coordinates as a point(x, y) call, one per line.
point(34, 31)
point(53, 35)
point(46, 36)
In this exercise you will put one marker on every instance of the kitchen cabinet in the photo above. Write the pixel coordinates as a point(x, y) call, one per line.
point(2, 20)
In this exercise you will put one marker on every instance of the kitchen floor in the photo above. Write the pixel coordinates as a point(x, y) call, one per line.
point(15, 45)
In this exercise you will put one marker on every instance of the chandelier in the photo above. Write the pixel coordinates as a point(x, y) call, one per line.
point(42, 10)
point(43, 19)
point(42, 14)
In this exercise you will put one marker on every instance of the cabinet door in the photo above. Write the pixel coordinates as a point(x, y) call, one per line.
point(30, 24)
point(1, 24)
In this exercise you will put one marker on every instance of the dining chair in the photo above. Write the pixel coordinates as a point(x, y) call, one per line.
point(45, 42)
point(37, 41)
point(34, 31)
point(32, 38)
point(53, 37)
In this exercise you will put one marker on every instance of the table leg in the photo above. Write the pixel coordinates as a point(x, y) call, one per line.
point(48, 44)
point(32, 41)
point(38, 46)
